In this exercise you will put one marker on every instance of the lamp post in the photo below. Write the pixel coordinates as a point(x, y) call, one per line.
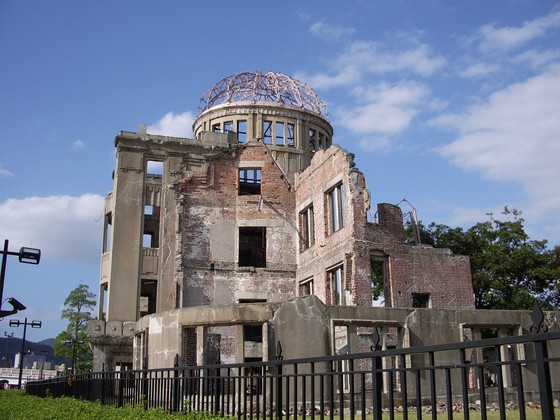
point(17, 323)
point(7, 344)
point(26, 256)
point(73, 342)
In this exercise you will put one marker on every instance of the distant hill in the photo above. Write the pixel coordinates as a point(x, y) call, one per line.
point(35, 352)
point(47, 342)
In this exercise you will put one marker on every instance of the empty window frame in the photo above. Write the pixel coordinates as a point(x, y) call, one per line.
point(217, 128)
point(103, 292)
point(312, 139)
point(279, 133)
point(253, 333)
point(228, 126)
point(107, 232)
point(242, 131)
point(148, 240)
point(306, 287)
point(420, 300)
point(307, 228)
point(249, 181)
point(336, 283)
point(378, 266)
point(252, 247)
point(290, 135)
point(154, 167)
point(335, 210)
point(267, 132)
point(148, 293)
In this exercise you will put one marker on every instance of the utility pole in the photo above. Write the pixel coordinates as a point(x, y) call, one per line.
point(17, 323)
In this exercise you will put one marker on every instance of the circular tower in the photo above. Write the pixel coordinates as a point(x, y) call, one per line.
point(281, 112)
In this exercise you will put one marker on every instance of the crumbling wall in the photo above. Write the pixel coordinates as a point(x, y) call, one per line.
point(331, 249)
point(213, 211)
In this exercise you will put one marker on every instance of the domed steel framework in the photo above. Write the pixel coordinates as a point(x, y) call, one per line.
point(256, 87)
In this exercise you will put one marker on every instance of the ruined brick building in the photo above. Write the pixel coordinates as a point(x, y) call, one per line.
point(218, 247)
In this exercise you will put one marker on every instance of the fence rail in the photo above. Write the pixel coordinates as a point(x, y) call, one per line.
point(499, 373)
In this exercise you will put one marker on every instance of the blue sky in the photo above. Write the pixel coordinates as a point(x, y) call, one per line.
point(453, 105)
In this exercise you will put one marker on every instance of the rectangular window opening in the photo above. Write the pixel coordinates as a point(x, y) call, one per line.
point(290, 135)
point(253, 333)
point(154, 167)
point(420, 300)
point(378, 278)
point(107, 233)
point(242, 131)
point(267, 132)
point(336, 283)
point(148, 293)
point(252, 247)
point(306, 287)
point(279, 135)
point(335, 202)
point(103, 301)
point(228, 126)
point(307, 228)
point(249, 181)
point(312, 139)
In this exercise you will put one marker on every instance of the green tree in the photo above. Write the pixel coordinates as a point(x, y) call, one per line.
point(72, 343)
point(509, 270)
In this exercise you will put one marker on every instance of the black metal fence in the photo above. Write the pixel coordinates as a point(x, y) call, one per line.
point(517, 372)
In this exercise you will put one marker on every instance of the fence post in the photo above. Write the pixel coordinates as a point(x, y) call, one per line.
point(145, 382)
point(377, 376)
point(120, 397)
point(278, 378)
point(176, 384)
point(217, 383)
point(541, 355)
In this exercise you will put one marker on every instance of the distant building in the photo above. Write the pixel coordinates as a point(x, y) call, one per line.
point(217, 248)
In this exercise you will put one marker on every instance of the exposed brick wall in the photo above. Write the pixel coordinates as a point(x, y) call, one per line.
point(212, 212)
point(410, 268)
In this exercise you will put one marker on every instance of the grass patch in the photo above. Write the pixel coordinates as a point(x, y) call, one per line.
point(16, 405)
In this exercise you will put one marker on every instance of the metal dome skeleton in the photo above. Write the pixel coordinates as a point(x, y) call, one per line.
point(257, 87)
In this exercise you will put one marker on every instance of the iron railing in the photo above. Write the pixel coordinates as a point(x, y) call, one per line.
point(494, 374)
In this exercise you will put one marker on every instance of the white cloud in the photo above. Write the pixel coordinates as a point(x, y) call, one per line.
point(509, 37)
point(174, 125)
point(324, 30)
point(343, 77)
point(363, 58)
point(65, 228)
point(479, 69)
point(514, 137)
point(389, 108)
point(537, 59)
point(5, 173)
point(78, 144)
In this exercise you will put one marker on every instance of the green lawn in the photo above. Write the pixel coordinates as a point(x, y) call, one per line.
point(16, 405)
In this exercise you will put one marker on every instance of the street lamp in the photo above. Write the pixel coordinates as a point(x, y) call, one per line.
point(17, 323)
point(73, 342)
point(26, 256)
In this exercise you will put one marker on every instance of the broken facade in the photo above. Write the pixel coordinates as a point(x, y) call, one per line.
point(206, 240)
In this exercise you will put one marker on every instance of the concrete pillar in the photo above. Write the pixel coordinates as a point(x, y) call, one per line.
point(258, 127)
point(201, 338)
point(265, 342)
point(239, 343)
